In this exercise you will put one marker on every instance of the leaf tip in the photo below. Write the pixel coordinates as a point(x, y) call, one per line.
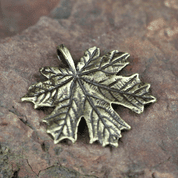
point(35, 106)
point(136, 75)
point(128, 128)
point(93, 50)
point(26, 98)
point(92, 140)
point(153, 99)
point(56, 142)
point(41, 70)
point(45, 121)
point(127, 55)
point(22, 99)
point(113, 144)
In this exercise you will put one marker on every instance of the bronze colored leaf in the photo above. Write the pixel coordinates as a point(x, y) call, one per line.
point(88, 91)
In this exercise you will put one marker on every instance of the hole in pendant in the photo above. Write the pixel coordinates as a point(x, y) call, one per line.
point(83, 133)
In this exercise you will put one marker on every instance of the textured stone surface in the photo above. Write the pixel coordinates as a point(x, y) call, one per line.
point(5, 168)
point(148, 30)
point(16, 16)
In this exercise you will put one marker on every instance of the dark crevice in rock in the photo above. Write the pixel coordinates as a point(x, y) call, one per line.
point(15, 175)
point(45, 146)
point(134, 174)
point(63, 172)
point(21, 117)
point(14, 111)
point(157, 165)
point(153, 175)
point(30, 167)
point(26, 123)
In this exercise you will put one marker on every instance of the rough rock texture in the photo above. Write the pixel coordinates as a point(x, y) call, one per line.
point(16, 16)
point(148, 30)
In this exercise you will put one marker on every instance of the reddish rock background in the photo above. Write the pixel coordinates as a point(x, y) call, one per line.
point(148, 30)
point(17, 15)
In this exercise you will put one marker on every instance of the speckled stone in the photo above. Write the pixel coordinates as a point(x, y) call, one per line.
point(16, 16)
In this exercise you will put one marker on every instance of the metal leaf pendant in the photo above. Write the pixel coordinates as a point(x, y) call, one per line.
point(88, 91)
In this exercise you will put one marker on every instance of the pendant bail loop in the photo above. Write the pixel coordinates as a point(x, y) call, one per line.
point(64, 55)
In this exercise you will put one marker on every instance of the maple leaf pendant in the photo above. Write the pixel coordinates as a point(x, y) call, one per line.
point(88, 91)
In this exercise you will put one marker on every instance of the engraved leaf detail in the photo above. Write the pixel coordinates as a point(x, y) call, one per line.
point(88, 91)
